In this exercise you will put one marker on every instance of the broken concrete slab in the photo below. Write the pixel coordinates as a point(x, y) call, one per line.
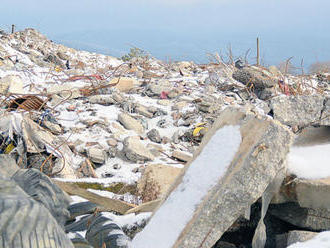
point(312, 193)
point(135, 151)
point(297, 110)
point(142, 110)
point(258, 77)
point(311, 136)
point(156, 181)
point(237, 160)
point(105, 100)
point(307, 218)
point(96, 155)
point(124, 84)
point(181, 155)
point(130, 123)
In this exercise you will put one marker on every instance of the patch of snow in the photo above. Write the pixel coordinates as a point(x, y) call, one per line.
point(203, 174)
point(71, 235)
point(310, 162)
point(103, 193)
point(128, 220)
point(82, 233)
point(76, 199)
point(125, 197)
point(322, 240)
point(105, 181)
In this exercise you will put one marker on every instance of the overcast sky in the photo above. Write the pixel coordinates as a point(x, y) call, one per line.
point(300, 27)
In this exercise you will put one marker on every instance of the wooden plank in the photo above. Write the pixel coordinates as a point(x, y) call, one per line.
point(107, 203)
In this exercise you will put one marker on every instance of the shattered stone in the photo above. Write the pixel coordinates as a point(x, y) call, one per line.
point(119, 98)
point(259, 77)
point(200, 93)
point(124, 84)
point(105, 100)
point(156, 147)
point(96, 155)
point(243, 182)
point(176, 137)
point(112, 151)
point(130, 123)
point(135, 151)
point(266, 93)
point(179, 106)
point(312, 219)
point(117, 130)
point(297, 110)
point(112, 142)
point(86, 170)
point(182, 156)
point(142, 110)
point(309, 193)
point(156, 180)
point(161, 86)
point(51, 58)
point(154, 136)
point(210, 106)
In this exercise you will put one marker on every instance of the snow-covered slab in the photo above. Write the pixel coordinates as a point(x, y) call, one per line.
point(320, 240)
point(237, 160)
point(310, 162)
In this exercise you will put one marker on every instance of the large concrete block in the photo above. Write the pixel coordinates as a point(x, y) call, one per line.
point(237, 160)
point(297, 110)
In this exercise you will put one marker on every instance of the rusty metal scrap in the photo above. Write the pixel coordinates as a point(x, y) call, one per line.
point(27, 103)
point(89, 77)
point(90, 90)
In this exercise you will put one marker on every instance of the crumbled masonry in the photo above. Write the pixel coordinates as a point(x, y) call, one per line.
point(122, 139)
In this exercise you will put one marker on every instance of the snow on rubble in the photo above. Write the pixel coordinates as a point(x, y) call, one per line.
point(116, 134)
point(199, 179)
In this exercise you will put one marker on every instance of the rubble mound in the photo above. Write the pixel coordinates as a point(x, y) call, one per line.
point(125, 138)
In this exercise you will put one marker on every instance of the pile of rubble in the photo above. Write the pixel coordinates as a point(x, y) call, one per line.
point(116, 135)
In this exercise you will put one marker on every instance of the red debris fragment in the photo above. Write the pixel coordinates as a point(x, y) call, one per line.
point(163, 95)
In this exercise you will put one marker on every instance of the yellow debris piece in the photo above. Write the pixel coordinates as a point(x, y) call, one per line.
point(58, 69)
point(197, 130)
point(9, 148)
point(201, 124)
